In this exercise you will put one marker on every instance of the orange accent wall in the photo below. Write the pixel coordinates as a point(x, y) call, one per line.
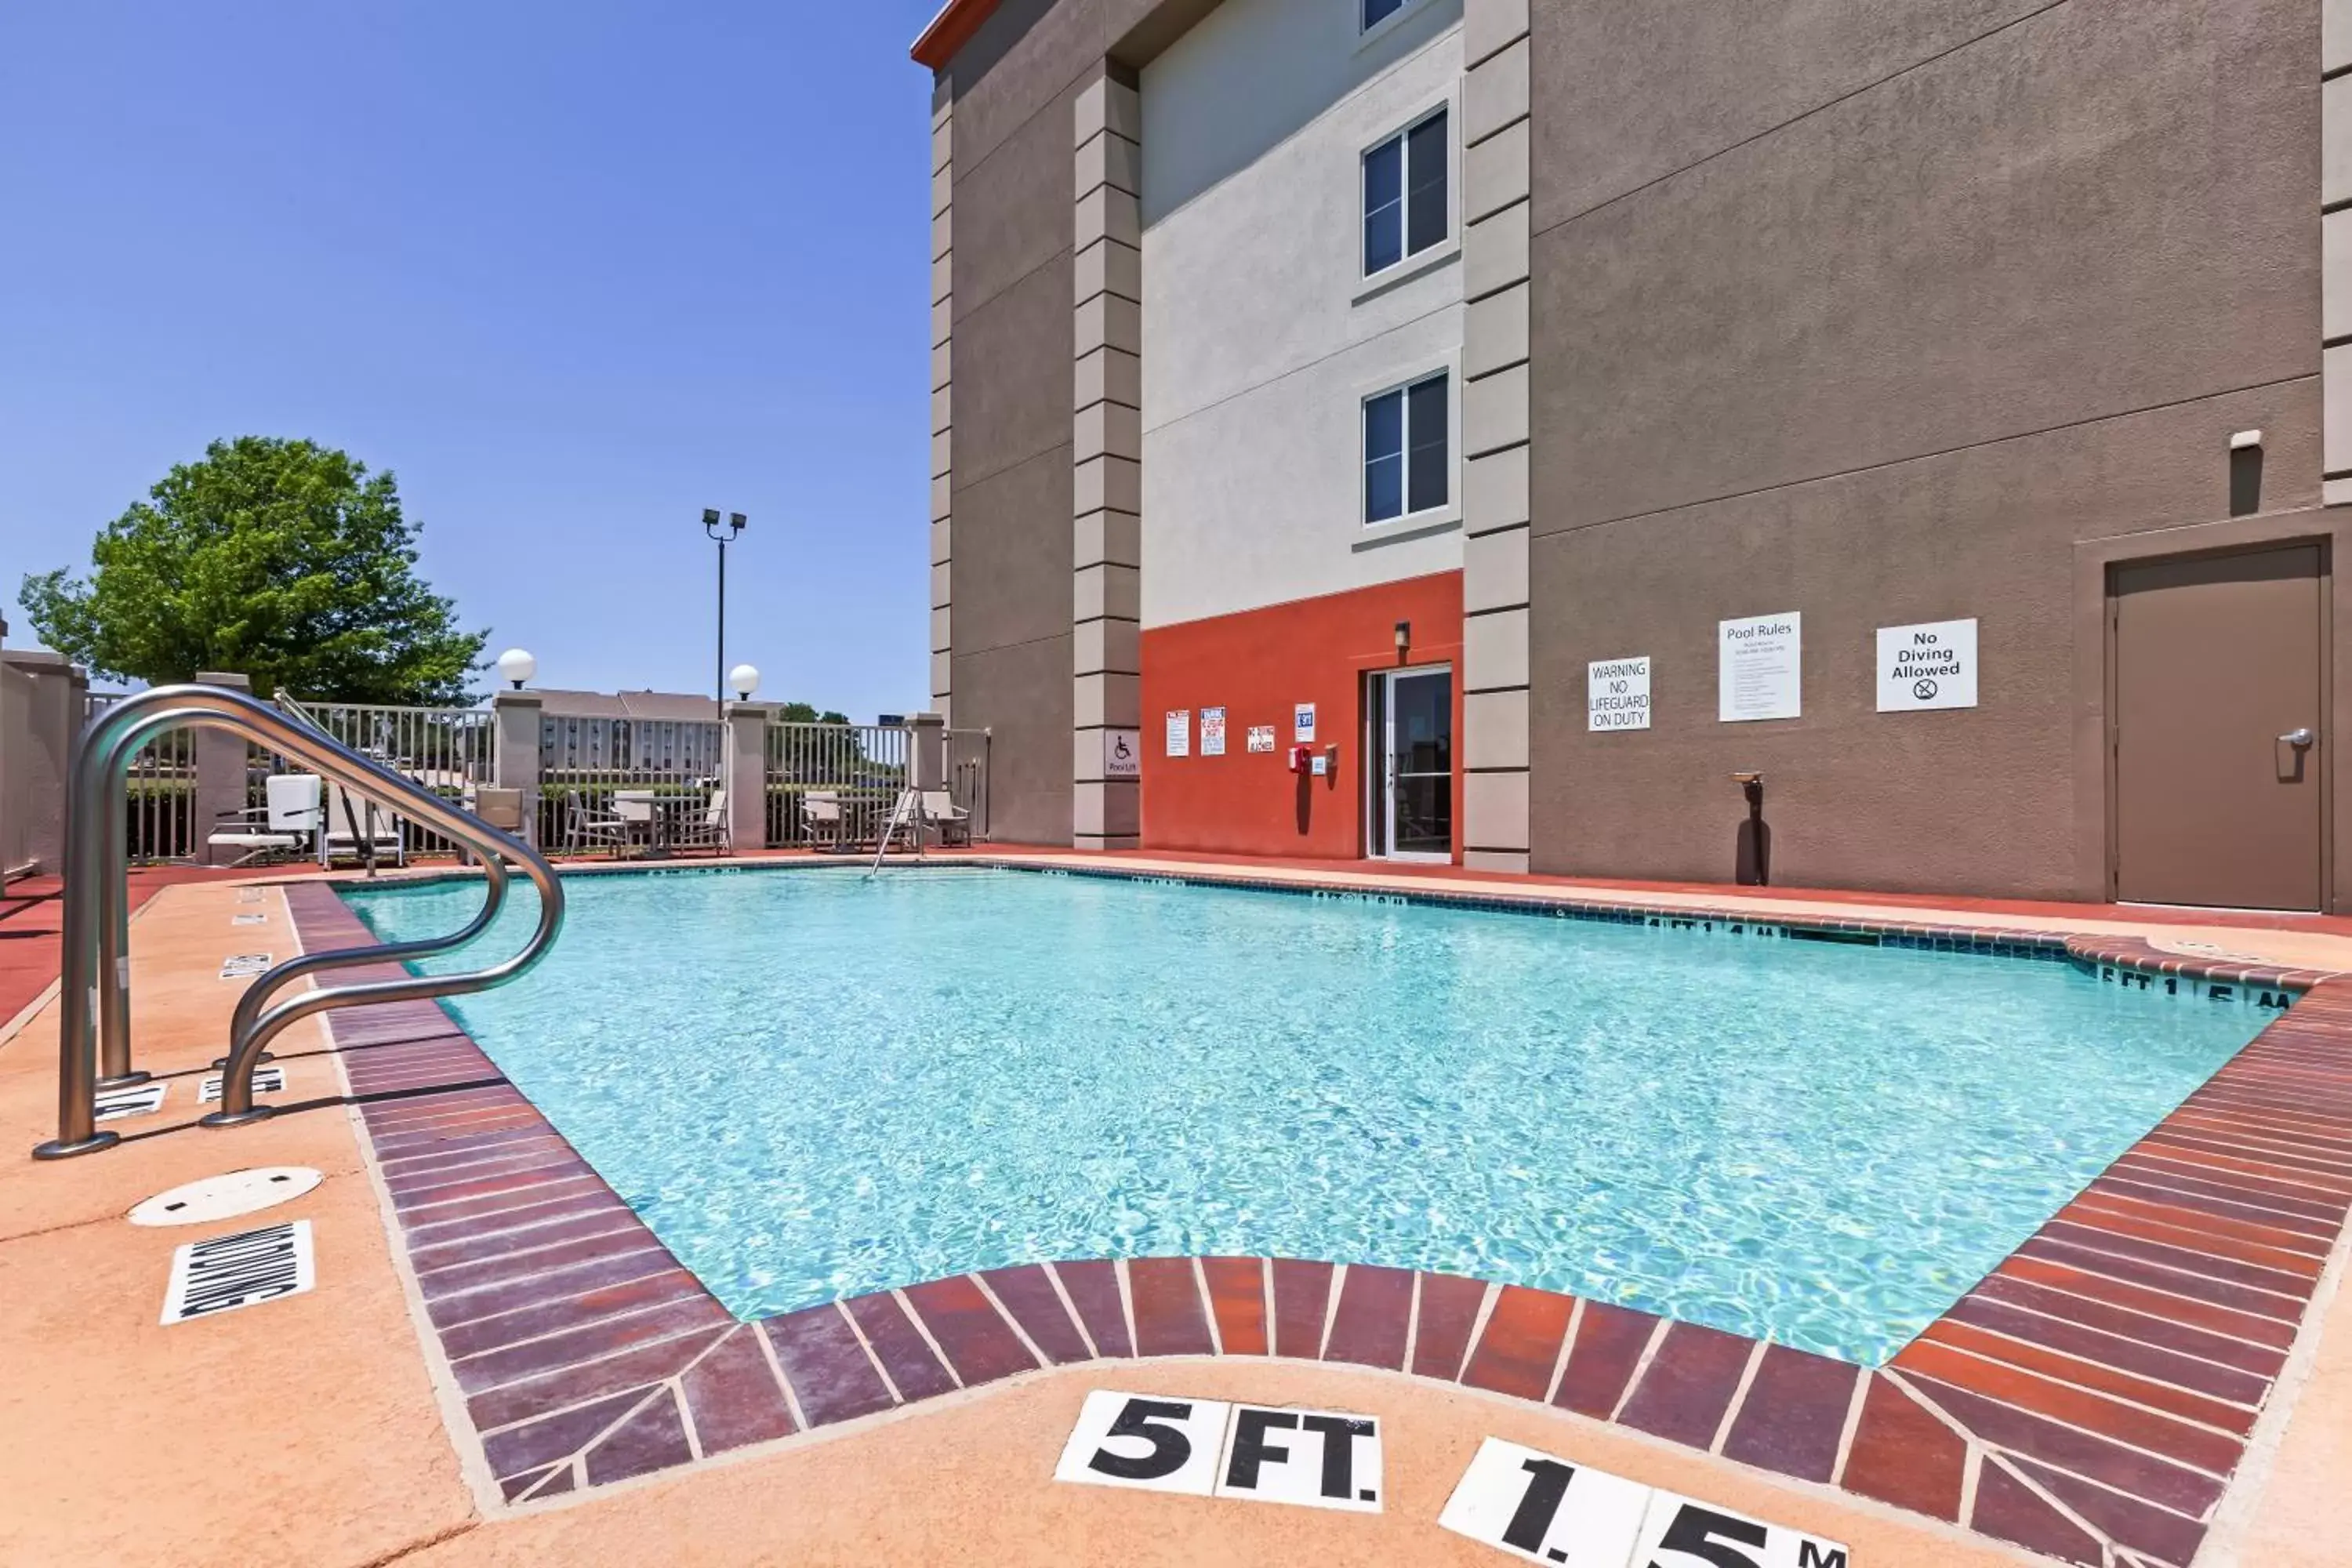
point(1257, 665)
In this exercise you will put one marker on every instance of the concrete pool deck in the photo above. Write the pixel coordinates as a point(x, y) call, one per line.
point(320, 1429)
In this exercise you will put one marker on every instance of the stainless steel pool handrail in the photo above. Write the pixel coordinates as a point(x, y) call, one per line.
point(94, 988)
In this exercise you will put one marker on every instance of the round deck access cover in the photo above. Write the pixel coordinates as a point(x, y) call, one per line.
point(226, 1196)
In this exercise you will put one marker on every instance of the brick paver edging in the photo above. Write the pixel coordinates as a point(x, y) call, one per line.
point(2089, 1399)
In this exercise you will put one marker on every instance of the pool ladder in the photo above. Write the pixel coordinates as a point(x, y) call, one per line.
point(94, 993)
point(906, 813)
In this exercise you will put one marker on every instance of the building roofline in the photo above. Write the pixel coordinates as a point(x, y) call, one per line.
point(950, 30)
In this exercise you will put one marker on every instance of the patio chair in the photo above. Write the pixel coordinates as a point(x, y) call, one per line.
point(276, 830)
point(821, 811)
point(357, 829)
point(584, 828)
point(707, 832)
point(942, 815)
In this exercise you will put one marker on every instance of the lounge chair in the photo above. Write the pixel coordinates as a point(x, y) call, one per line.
point(584, 828)
point(276, 830)
point(357, 829)
point(499, 808)
point(942, 815)
point(707, 832)
point(821, 811)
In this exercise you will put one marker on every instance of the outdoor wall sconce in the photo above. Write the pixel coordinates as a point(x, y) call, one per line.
point(517, 666)
point(1403, 640)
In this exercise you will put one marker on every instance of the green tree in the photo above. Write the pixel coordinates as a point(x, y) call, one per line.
point(806, 713)
point(282, 561)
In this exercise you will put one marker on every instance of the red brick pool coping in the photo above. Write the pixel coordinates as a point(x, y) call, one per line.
point(2089, 1399)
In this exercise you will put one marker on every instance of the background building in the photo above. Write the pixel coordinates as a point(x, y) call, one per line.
point(1578, 403)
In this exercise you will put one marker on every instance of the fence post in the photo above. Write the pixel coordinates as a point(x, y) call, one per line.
point(514, 754)
point(746, 776)
point(220, 761)
point(929, 763)
point(45, 710)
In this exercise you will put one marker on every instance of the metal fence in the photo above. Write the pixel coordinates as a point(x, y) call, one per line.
point(830, 783)
point(159, 793)
point(853, 772)
point(585, 763)
point(445, 750)
point(826, 783)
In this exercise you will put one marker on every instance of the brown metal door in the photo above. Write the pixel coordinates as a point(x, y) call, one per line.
point(2219, 680)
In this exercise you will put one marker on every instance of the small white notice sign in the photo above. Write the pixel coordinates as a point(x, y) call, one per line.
point(1146, 1442)
point(1617, 694)
point(1310, 1458)
point(1932, 665)
point(1302, 723)
point(1122, 754)
point(1213, 731)
point(1760, 669)
point(1679, 1529)
point(1545, 1509)
point(1180, 731)
point(1261, 737)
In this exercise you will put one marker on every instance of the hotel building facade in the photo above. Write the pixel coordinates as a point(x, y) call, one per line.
point(1486, 431)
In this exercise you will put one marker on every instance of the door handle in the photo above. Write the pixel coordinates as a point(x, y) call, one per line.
point(2298, 738)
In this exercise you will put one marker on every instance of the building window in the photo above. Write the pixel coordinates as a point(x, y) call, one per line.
point(1407, 459)
point(1404, 195)
point(1379, 11)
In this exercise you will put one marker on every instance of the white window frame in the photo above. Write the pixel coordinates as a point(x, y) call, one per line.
point(1429, 520)
point(1388, 24)
point(1412, 264)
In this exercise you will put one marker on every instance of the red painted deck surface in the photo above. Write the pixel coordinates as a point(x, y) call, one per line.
point(30, 912)
point(2090, 1399)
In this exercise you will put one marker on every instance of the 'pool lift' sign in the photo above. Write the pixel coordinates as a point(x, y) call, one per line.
point(1933, 664)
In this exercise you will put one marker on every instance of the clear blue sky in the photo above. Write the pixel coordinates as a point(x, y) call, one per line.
point(572, 271)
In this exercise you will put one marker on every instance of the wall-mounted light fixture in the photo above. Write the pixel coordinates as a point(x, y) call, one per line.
point(1403, 640)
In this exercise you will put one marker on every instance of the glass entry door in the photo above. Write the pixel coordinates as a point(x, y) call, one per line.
point(1413, 817)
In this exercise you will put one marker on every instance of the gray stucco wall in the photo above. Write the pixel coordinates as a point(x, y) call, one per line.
point(1013, 88)
point(1872, 311)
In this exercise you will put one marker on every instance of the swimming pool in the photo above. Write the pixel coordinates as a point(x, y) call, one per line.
point(811, 1084)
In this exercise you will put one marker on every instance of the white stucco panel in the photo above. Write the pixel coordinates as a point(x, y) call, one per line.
point(1260, 333)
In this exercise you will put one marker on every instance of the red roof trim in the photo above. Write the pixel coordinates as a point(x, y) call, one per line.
point(950, 30)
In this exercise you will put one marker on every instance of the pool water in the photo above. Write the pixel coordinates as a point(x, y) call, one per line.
point(811, 1084)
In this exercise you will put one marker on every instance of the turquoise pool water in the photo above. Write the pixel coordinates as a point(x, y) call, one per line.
point(813, 1085)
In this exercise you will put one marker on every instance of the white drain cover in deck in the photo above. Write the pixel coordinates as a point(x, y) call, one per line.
point(225, 1197)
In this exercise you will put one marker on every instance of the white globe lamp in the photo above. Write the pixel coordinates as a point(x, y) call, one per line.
point(744, 679)
point(516, 666)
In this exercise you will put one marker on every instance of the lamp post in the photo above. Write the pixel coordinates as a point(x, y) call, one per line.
point(723, 532)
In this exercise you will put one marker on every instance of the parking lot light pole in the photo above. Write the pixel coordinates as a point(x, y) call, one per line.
point(723, 532)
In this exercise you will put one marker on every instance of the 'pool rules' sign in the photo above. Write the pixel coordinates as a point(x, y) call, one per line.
point(1617, 694)
point(1760, 669)
point(1929, 666)
point(1180, 731)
